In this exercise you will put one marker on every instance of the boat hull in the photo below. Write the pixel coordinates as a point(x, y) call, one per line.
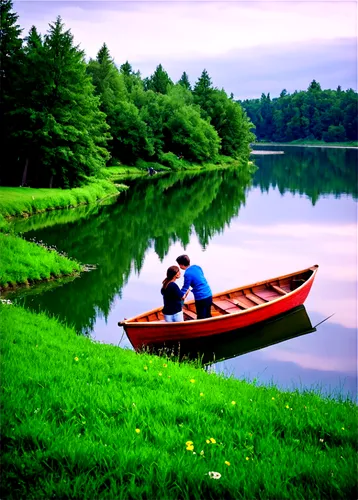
point(142, 334)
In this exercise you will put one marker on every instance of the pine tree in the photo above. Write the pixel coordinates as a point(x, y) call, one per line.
point(184, 81)
point(159, 81)
point(11, 59)
point(203, 86)
point(66, 131)
point(109, 84)
point(126, 69)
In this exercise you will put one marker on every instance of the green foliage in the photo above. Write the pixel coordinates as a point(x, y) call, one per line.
point(119, 236)
point(192, 136)
point(61, 132)
point(306, 172)
point(4, 225)
point(159, 81)
point(226, 116)
point(109, 84)
point(72, 407)
point(315, 114)
point(335, 133)
point(11, 58)
point(203, 87)
point(184, 81)
point(173, 161)
point(65, 118)
point(130, 138)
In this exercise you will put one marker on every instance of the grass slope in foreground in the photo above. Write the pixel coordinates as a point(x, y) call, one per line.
point(87, 420)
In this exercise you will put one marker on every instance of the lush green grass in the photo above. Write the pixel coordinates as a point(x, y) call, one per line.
point(23, 262)
point(87, 420)
point(27, 201)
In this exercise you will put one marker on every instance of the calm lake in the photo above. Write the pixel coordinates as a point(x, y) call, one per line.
point(297, 209)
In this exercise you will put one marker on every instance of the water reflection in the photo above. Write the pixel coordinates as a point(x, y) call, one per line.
point(310, 171)
point(155, 212)
point(232, 344)
point(302, 210)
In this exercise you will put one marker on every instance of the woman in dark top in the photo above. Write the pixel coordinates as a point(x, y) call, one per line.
point(172, 296)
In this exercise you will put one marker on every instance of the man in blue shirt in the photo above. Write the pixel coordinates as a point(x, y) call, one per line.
point(194, 278)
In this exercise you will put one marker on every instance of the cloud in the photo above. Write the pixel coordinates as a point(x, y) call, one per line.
point(270, 68)
point(247, 47)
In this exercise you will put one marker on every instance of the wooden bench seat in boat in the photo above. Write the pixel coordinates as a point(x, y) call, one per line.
point(189, 313)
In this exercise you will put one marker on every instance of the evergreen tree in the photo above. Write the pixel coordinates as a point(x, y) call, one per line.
point(11, 59)
point(184, 81)
point(159, 81)
point(203, 86)
point(132, 80)
point(109, 84)
point(64, 135)
point(126, 69)
point(314, 87)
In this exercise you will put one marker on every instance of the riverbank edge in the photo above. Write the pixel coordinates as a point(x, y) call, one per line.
point(46, 263)
point(25, 263)
point(72, 406)
point(26, 202)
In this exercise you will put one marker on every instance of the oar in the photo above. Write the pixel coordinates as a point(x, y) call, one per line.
point(324, 320)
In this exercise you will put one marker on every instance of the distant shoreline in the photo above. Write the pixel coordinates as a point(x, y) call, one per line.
point(302, 145)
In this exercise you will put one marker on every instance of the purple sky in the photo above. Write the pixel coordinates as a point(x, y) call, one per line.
point(248, 47)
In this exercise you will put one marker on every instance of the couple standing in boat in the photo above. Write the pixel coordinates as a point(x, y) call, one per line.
point(174, 297)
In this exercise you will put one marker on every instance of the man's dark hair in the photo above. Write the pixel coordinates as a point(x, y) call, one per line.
point(183, 260)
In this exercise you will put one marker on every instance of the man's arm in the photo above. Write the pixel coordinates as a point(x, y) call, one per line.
point(187, 281)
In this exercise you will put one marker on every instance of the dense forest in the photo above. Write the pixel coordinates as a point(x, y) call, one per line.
point(315, 114)
point(65, 118)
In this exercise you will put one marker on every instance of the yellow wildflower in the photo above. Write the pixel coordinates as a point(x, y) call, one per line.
point(160, 374)
point(213, 440)
point(192, 381)
point(76, 358)
point(137, 431)
point(188, 443)
point(273, 399)
point(208, 441)
point(247, 458)
point(233, 402)
point(190, 447)
point(227, 463)
point(287, 406)
point(201, 394)
point(165, 365)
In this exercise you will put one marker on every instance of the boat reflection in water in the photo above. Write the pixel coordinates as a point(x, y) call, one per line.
point(228, 345)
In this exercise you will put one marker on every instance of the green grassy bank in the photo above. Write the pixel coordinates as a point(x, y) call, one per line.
point(24, 263)
point(17, 202)
point(87, 420)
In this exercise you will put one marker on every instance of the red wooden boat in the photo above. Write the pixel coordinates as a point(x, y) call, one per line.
point(231, 310)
